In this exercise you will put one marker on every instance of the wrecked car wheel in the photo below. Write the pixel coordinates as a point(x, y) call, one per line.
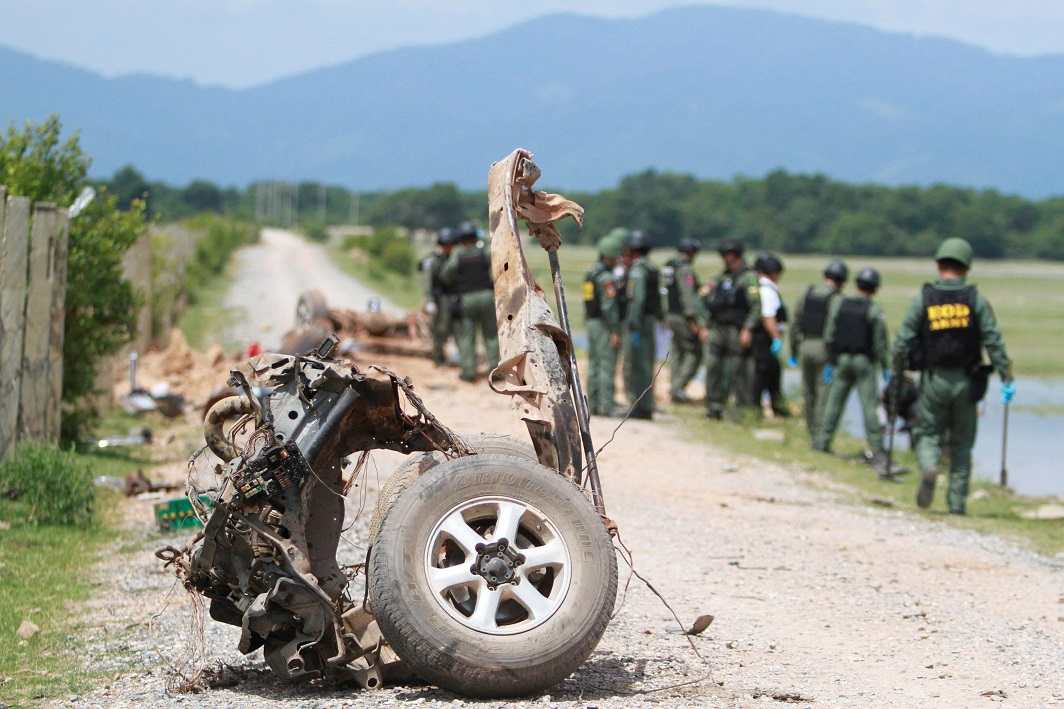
point(420, 463)
point(492, 576)
point(311, 307)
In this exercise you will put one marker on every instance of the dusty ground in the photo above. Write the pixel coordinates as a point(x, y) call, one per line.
point(817, 601)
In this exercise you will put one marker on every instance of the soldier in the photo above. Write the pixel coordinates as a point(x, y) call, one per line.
point(437, 294)
point(733, 311)
point(468, 273)
point(768, 335)
point(855, 338)
point(944, 334)
point(643, 312)
point(807, 340)
point(681, 290)
point(602, 314)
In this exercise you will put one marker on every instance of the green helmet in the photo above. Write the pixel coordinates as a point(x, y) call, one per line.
point(955, 249)
point(609, 246)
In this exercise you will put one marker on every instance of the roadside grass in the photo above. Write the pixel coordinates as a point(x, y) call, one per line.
point(991, 509)
point(44, 570)
point(206, 320)
point(402, 289)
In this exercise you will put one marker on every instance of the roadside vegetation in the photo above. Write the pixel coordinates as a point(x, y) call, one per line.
point(53, 523)
point(991, 509)
point(385, 260)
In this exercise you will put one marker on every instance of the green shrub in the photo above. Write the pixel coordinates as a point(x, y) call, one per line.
point(316, 231)
point(48, 485)
point(223, 237)
point(398, 256)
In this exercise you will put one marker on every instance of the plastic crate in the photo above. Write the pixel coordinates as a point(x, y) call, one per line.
point(178, 514)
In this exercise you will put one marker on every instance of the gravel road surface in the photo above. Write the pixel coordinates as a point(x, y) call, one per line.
point(269, 277)
point(817, 601)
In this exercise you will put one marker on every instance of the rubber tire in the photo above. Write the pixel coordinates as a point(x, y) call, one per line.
point(457, 658)
point(311, 307)
point(420, 463)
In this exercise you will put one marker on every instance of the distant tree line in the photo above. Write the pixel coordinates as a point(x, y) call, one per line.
point(792, 213)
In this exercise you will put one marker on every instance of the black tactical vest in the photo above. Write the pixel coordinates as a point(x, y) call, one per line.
point(853, 330)
point(621, 283)
point(652, 304)
point(673, 301)
point(814, 314)
point(727, 302)
point(591, 293)
point(474, 271)
point(949, 333)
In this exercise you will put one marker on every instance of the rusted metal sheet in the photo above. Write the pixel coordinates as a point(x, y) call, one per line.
point(534, 350)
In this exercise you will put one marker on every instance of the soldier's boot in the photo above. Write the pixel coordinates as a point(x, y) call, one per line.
point(926, 493)
point(679, 397)
point(878, 463)
point(715, 412)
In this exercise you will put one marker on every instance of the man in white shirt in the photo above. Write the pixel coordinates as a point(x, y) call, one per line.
point(767, 341)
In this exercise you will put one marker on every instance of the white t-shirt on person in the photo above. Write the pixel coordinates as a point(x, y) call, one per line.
point(770, 297)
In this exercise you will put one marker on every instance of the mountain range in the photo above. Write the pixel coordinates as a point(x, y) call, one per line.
point(710, 90)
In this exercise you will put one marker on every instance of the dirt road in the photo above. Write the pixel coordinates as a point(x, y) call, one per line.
point(818, 601)
point(269, 277)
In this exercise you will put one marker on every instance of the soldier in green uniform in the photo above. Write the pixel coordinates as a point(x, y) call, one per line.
point(681, 297)
point(855, 338)
point(468, 273)
point(733, 309)
point(807, 340)
point(602, 315)
point(944, 333)
point(437, 294)
point(643, 297)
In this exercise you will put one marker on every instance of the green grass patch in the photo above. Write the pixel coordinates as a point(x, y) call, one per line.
point(48, 544)
point(403, 289)
point(991, 509)
point(205, 321)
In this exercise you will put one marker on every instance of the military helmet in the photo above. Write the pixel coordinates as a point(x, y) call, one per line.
point(837, 271)
point(955, 249)
point(638, 240)
point(445, 236)
point(768, 264)
point(868, 279)
point(609, 246)
point(689, 246)
point(465, 231)
point(733, 246)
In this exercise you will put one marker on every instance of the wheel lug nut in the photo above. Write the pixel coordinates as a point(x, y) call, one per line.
point(479, 547)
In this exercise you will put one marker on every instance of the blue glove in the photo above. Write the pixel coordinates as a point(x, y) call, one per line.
point(634, 339)
point(886, 377)
point(829, 374)
point(777, 345)
point(792, 362)
point(1008, 390)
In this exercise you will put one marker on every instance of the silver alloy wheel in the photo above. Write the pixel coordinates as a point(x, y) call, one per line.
point(533, 558)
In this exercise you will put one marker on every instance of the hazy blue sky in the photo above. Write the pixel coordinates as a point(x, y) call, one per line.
point(243, 42)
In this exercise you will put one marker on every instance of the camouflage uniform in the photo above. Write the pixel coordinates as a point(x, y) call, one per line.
point(734, 304)
point(681, 287)
point(944, 333)
point(602, 316)
point(644, 310)
point(468, 273)
point(807, 347)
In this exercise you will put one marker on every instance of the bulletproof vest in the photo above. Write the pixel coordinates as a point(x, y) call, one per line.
point(727, 302)
point(853, 331)
point(671, 277)
point(949, 332)
point(474, 271)
point(592, 295)
point(814, 314)
point(652, 304)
